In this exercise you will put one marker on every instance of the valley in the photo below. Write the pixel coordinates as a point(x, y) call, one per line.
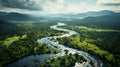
point(55, 41)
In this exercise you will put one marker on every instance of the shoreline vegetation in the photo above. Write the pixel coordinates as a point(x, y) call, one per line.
point(92, 41)
point(15, 47)
point(64, 61)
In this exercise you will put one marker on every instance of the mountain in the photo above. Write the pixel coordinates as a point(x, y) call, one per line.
point(108, 21)
point(18, 17)
point(27, 17)
point(95, 14)
point(3, 13)
point(14, 16)
point(8, 29)
point(87, 14)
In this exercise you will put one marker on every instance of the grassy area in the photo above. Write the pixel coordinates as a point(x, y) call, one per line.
point(95, 29)
point(23, 36)
point(85, 28)
point(74, 41)
point(10, 40)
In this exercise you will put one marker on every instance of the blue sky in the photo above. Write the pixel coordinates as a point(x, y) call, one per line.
point(58, 6)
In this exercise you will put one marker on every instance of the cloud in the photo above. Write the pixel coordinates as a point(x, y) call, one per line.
point(31, 6)
point(61, 6)
point(109, 2)
point(112, 4)
point(58, 6)
point(21, 4)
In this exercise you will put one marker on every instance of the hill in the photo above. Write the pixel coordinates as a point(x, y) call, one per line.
point(109, 21)
point(18, 17)
point(85, 15)
point(8, 29)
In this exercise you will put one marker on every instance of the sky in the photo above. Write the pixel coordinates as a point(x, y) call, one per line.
point(58, 6)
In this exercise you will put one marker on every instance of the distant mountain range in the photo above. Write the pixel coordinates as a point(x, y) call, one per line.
point(111, 21)
point(107, 21)
point(26, 17)
point(102, 19)
point(105, 18)
point(17, 17)
point(88, 14)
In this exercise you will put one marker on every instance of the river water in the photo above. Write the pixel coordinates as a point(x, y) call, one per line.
point(27, 61)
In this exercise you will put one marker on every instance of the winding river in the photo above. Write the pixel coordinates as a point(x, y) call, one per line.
point(27, 61)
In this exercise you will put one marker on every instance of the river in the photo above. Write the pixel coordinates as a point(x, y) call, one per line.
point(27, 61)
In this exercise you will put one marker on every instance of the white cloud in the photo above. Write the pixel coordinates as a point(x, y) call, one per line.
point(113, 5)
point(21, 4)
point(108, 1)
point(70, 8)
point(60, 6)
point(60, 1)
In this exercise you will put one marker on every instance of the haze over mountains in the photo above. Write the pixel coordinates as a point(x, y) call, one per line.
point(17, 17)
point(88, 14)
point(26, 17)
point(7, 28)
point(103, 18)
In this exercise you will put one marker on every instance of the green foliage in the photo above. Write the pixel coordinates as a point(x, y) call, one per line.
point(65, 61)
point(10, 40)
point(8, 29)
point(26, 44)
point(104, 43)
